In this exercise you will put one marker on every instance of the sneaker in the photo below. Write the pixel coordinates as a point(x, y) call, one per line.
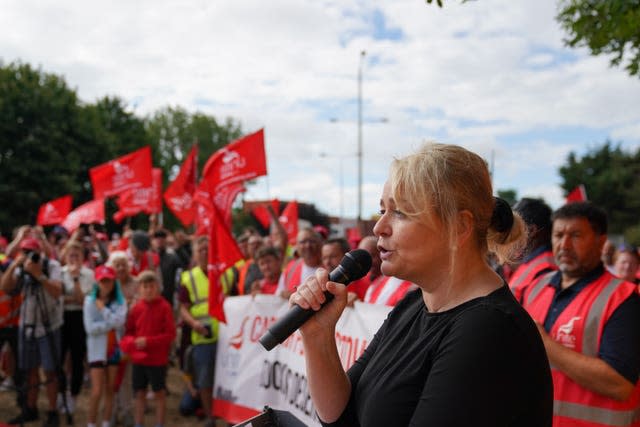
point(29, 414)
point(71, 404)
point(60, 404)
point(53, 420)
point(7, 384)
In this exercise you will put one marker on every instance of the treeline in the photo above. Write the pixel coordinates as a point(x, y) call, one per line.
point(49, 139)
point(611, 177)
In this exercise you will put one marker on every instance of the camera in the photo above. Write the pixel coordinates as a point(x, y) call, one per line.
point(34, 256)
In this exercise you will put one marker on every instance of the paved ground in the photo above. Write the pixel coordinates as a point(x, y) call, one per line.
point(8, 407)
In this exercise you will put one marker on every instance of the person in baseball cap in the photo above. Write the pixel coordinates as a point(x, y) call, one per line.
point(105, 272)
point(104, 315)
point(30, 244)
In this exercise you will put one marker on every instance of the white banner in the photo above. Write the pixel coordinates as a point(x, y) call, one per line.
point(248, 377)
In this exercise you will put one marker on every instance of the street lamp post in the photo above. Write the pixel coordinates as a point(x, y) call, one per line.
point(359, 152)
point(339, 157)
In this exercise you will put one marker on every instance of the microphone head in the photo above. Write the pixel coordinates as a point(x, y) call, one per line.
point(356, 264)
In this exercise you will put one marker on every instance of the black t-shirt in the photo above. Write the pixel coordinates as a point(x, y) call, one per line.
point(479, 364)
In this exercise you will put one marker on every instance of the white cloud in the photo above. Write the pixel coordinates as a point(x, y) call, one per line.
point(552, 194)
point(473, 73)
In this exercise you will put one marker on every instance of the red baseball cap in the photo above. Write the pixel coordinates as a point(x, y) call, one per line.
point(30, 244)
point(104, 272)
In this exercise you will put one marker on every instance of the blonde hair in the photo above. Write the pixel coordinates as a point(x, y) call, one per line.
point(444, 180)
point(72, 245)
point(116, 256)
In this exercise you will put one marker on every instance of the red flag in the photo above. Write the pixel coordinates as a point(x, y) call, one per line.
point(239, 161)
point(88, 213)
point(55, 211)
point(129, 171)
point(147, 200)
point(223, 253)
point(261, 213)
point(205, 200)
point(289, 220)
point(179, 194)
point(203, 207)
point(224, 198)
point(578, 194)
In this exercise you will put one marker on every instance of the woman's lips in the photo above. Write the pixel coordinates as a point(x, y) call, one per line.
point(384, 254)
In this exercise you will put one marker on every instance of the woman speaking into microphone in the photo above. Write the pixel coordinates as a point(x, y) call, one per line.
point(458, 351)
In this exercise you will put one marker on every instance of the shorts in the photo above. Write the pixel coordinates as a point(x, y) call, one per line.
point(102, 364)
point(142, 376)
point(204, 362)
point(36, 352)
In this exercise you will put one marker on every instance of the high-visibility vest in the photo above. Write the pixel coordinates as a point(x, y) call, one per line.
point(229, 278)
point(9, 309)
point(387, 290)
point(527, 272)
point(197, 284)
point(242, 276)
point(293, 274)
point(580, 327)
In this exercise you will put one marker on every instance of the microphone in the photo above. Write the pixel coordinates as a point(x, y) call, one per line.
point(354, 265)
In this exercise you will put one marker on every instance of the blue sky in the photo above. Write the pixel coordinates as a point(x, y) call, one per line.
point(491, 75)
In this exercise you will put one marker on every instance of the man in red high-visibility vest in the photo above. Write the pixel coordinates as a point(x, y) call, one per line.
point(538, 257)
point(590, 324)
point(308, 249)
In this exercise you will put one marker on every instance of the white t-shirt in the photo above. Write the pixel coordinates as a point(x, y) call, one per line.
point(87, 279)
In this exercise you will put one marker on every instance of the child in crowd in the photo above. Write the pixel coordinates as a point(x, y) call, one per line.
point(270, 264)
point(104, 315)
point(149, 332)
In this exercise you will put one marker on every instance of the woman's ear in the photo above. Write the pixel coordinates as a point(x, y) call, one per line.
point(465, 226)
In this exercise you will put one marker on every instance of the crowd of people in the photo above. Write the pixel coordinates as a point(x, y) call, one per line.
point(118, 311)
point(121, 309)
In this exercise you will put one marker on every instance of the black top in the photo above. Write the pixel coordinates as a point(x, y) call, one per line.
point(169, 268)
point(481, 363)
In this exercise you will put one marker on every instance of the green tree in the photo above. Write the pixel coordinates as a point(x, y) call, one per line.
point(39, 145)
point(611, 177)
point(109, 131)
point(509, 195)
point(173, 131)
point(605, 27)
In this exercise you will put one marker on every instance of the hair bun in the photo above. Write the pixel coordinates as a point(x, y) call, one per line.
point(502, 218)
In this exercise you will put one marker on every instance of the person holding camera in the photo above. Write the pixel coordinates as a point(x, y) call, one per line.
point(38, 278)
